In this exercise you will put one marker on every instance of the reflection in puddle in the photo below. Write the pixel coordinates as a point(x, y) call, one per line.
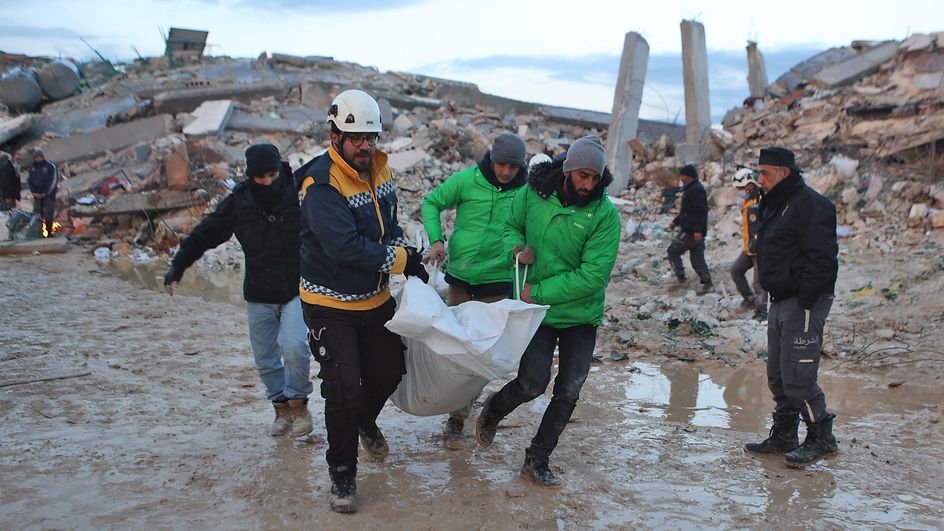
point(203, 282)
point(678, 395)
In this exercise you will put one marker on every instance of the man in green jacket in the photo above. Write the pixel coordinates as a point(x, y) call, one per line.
point(478, 268)
point(565, 226)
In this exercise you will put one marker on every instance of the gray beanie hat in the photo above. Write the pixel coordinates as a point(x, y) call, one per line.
point(508, 148)
point(586, 153)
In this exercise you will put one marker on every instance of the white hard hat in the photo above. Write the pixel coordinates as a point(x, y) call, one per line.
point(538, 158)
point(743, 177)
point(354, 111)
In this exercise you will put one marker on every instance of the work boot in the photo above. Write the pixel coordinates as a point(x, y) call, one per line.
point(678, 284)
point(783, 436)
point(705, 288)
point(760, 314)
point(454, 436)
point(283, 419)
point(343, 489)
point(819, 443)
point(374, 443)
point(486, 425)
point(747, 304)
point(540, 473)
point(301, 418)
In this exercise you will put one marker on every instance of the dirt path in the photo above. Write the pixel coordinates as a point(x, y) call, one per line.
point(168, 430)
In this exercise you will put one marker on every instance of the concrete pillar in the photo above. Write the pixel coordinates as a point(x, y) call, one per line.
point(625, 116)
point(695, 77)
point(756, 71)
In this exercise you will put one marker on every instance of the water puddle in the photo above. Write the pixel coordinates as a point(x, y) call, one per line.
point(203, 282)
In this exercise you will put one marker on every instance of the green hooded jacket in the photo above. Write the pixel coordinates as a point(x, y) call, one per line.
point(482, 207)
point(574, 246)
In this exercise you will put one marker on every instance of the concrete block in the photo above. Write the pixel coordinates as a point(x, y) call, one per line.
point(177, 168)
point(250, 123)
point(94, 143)
point(136, 203)
point(19, 90)
point(856, 67)
point(302, 116)
point(687, 153)
point(210, 117)
point(695, 78)
point(59, 79)
point(386, 113)
point(186, 100)
point(11, 128)
point(624, 120)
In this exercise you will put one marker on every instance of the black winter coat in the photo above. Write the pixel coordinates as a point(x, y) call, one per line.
point(693, 215)
point(270, 240)
point(797, 250)
point(9, 180)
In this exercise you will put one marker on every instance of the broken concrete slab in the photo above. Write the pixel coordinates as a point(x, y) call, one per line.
point(56, 245)
point(624, 119)
point(210, 117)
point(857, 67)
point(301, 116)
point(308, 61)
point(687, 153)
point(250, 123)
point(177, 168)
point(695, 78)
point(11, 128)
point(137, 203)
point(405, 159)
point(94, 143)
point(186, 100)
point(59, 79)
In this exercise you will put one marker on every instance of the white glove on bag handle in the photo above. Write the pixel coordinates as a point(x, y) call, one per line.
point(524, 280)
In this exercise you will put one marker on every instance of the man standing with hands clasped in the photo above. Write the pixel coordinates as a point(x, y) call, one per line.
point(564, 225)
point(797, 261)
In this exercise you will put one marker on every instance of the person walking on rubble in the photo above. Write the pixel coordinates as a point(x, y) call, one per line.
point(692, 223)
point(43, 182)
point(749, 192)
point(477, 268)
point(351, 243)
point(264, 214)
point(565, 226)
point(797, 259)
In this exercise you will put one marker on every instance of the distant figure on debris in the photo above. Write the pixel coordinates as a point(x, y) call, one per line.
point(9, 181)
point(351, 244)
point(264, 214)
point(750, 194)
point(478, 268)
point(797, 258)
point(564, 225)
point(692, 223)
point(43, 182)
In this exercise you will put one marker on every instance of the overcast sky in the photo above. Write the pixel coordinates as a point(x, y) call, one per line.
point(564, 53)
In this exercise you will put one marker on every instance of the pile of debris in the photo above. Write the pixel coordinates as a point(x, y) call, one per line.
point(146, 153)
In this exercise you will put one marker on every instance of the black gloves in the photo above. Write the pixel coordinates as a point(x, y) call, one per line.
point(414, 265)
point(172, 275)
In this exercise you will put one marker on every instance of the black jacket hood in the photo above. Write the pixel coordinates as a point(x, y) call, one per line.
point(548, 176)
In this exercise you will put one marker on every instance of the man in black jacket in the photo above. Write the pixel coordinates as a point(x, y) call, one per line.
point(9, 181)
point(43, 183)
point(692, 222)
point(264, 214)
point(797, 262)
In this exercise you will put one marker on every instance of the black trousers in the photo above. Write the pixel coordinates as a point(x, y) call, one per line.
point(45, 208)
point(575, 346)
point(794, 346)
point(685, 242)
point(365, 367)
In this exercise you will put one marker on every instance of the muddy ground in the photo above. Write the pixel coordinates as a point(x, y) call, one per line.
point(168, 427)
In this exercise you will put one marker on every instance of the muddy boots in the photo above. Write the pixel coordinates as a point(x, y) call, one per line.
point(486, 425)
point(283, 419)
point(783, 436)
point(819, 443)
point(540, 472)
point(301, 418)
point(343, 488)
point(454, 436)
point(374, 443)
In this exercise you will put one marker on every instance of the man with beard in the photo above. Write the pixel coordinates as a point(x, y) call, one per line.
point(477, 269)
point(797, 258)
point(351, 243)
point(564, 225)
point(263, 213)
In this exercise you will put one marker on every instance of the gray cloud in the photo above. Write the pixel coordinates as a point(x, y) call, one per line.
point(34, 32)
